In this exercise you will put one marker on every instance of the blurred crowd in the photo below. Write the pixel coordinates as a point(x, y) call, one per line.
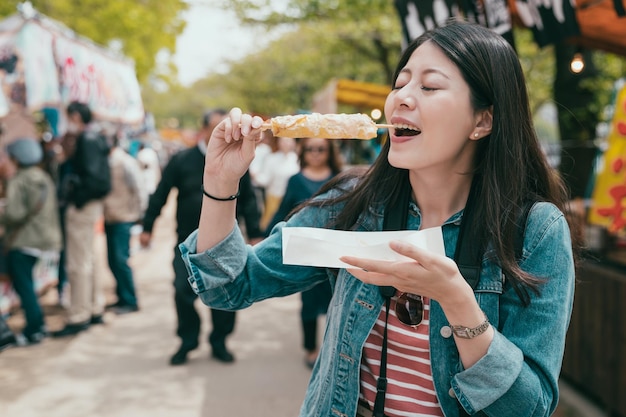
point(58, 191)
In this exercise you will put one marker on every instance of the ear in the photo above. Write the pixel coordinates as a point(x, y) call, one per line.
point(484, 122)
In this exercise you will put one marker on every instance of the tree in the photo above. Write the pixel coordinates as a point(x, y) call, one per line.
point(137, 29)
point(282, 78)
point(367, 27)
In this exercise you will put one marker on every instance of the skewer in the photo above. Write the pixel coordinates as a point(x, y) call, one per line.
point(268, 125)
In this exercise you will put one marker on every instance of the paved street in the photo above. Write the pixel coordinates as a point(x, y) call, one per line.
point(121, 369)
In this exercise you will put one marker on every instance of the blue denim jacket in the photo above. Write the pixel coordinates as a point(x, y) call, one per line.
point(518, 376)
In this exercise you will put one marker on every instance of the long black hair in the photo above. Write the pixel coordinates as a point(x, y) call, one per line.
point(510, 167)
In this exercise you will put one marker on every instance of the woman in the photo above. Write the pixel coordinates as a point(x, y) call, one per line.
point(463, 144)
point(319, 162)
point(277, 168)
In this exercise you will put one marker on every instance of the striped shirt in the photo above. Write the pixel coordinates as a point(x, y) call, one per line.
point(410, 389)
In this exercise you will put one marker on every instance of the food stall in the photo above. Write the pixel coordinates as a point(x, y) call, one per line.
point(43, 67)
point(595, 352)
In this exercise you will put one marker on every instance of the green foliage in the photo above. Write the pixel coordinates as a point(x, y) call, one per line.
point(356, 39)
point(326, 39)
point(368, 27)
point(538, 66)
point(539, 69)
point(142, 28)
point(611, 68)
point(284, 77)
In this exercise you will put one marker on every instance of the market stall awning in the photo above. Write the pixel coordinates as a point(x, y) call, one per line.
point(601, 23)
point(45, 64)
point(594, 24)
point(362, 95)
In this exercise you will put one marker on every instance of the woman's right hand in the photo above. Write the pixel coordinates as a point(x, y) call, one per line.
point(231, 149)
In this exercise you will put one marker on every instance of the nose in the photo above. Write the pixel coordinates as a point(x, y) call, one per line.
point(405, 98)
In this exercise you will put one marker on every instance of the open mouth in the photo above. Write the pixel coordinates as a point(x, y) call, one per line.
point(406, 130)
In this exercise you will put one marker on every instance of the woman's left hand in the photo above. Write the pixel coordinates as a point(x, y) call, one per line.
point(425, 273)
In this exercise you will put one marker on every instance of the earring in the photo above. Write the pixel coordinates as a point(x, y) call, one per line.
point(475, 135)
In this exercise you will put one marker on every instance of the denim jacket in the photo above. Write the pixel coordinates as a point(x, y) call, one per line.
point(518, 376)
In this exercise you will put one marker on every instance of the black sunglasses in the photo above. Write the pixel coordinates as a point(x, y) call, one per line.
point(410, 309)
point(318, 149)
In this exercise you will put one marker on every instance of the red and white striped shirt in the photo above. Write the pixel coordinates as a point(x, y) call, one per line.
point(410, 389)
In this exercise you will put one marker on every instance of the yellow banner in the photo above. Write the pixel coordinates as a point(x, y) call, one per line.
point(608, 205)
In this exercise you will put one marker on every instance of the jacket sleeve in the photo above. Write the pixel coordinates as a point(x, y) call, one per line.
point(233, 275)
point(518, 377)
point(158, 199)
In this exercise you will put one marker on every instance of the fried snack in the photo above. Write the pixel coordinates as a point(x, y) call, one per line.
point(328, 126)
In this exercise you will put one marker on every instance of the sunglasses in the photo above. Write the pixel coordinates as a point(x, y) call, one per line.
point(410, 309)
point(319, 149)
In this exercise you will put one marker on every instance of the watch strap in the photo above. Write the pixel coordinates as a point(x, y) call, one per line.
point(470, 332)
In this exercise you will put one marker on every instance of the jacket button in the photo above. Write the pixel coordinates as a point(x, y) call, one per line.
point(445, 331)
point(451, 393)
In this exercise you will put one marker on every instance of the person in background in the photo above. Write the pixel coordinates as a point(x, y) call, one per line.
point(420, 335)
point(273, 175)
point(181, 172)
point(319, 162)
point(32, 229)
point(150, 167)
point(66, 147)
point(84, 187)
point(263, 149)
point(123, 207)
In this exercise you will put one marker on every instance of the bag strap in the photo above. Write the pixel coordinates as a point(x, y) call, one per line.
point(395, 218)
point(468, 255)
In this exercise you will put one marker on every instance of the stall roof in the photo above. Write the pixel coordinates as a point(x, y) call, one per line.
point(57, 65)
point(602, 24)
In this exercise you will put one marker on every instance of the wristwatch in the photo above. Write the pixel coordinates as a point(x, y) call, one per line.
point(469, 332)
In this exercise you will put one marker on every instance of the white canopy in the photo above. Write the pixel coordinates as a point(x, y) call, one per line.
point(45, 64)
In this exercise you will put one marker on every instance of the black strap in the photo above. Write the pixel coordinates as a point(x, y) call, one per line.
point(468, 254)
point(395, 218)
point(619, 8)
point(381, 384)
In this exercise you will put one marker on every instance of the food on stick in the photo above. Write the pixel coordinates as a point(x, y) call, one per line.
point(329, 126)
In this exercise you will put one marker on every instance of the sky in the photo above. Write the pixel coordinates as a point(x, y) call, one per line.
point(212, 35)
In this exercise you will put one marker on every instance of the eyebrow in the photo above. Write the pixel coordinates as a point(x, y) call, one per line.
point(426, 71)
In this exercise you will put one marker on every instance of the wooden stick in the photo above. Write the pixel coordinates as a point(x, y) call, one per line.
point(268, 125)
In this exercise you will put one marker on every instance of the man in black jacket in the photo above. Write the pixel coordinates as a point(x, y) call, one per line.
point(183, 172)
